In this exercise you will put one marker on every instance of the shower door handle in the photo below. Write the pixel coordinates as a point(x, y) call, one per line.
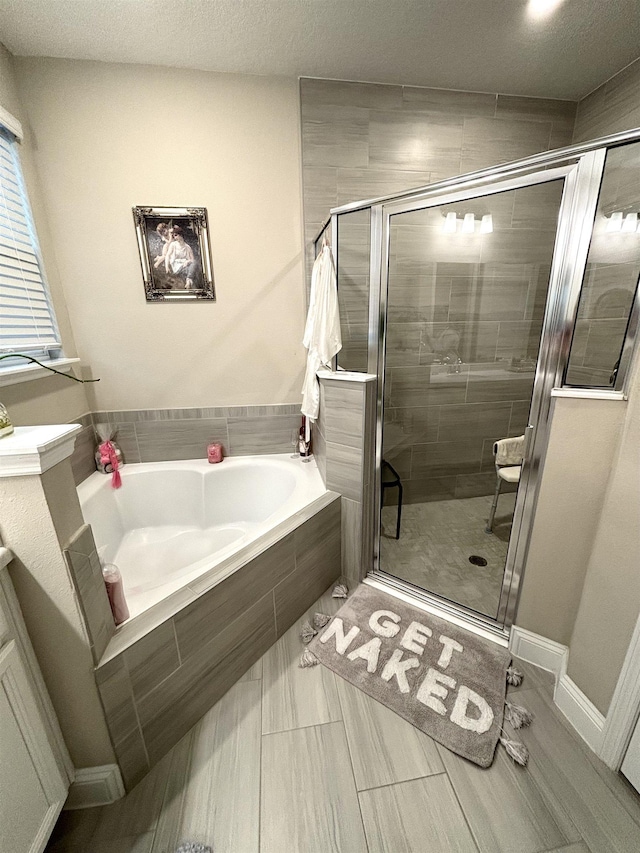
point(528, 440)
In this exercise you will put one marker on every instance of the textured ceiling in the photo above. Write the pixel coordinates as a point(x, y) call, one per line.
point(481, 45)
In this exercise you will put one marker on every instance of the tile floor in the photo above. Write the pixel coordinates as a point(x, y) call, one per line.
point(436, 540)
point(299, 761)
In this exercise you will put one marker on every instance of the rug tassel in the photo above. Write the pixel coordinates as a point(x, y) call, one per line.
point(515, 749)
point(193, 847)
point(340, 590)
point(517, 716)
point(320, 620)
point(514, 676)
point(308, 659)
point(307, 632)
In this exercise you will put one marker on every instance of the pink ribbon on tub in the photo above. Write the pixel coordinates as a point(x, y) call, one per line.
point(108, 455)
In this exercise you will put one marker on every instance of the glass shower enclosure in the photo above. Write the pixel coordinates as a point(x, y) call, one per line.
point(471, 300)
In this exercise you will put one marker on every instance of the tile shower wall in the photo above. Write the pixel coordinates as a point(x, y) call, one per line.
point(362, 140)
point(161, 685)
point(156, 435)
point(465, 316)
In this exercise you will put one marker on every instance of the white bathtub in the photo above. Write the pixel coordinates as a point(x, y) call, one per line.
point(171, 522)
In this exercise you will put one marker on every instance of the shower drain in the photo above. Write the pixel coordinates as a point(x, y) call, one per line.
point(477, 561)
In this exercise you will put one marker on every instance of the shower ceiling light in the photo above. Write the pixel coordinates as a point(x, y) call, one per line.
point(486, 226)
point(542, 8)
point(450, 224)
point(630, 223)
point(468, 223)
point(614, 222)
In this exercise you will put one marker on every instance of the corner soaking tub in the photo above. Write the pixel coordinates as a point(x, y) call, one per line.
point(173, 522)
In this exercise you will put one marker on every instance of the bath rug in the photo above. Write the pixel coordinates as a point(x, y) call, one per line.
point(449, 683)
point(193, 847)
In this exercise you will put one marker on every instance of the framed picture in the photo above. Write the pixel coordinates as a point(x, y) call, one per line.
point(174, 253)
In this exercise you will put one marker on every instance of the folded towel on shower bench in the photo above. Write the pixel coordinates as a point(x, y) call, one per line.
point(508, 451)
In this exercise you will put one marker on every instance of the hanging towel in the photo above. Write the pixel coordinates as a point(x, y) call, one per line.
point(322, 336)
point(508, 451)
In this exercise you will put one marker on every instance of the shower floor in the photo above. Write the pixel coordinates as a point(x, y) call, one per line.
point(436, 540)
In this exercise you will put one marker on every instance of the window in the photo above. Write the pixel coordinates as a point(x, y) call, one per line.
point(27, 320)
point(604, 330)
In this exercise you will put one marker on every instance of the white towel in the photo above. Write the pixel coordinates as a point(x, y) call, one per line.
point(508, 451)
point(322, 332)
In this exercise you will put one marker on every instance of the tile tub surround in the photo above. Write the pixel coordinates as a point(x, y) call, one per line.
point(345, 432)
point(158, 435)
point(81, 557)
point(155, 684)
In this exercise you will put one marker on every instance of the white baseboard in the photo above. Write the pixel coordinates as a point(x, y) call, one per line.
point(580, 711)
point(538, 650)
point(577, 708)
point(95, 786)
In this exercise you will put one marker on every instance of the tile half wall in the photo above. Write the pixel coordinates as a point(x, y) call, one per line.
point(157, 688)
point(159, 435)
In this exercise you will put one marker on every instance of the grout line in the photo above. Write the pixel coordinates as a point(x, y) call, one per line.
point(353, 772)
point(275, 616)
point(464, 814)
point(442, 772)
point(298, 728)
point(175, 637)
point(260, 759)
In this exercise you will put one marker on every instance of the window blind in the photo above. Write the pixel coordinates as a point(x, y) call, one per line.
point(27, 320)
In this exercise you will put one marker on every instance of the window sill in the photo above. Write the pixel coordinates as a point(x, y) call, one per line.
point(25, 373)
point(588, 393)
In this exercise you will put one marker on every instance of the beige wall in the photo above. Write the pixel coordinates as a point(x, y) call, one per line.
point(50, 400)
point(582, 586)
point(610, 601)
point(582, 445)
point(113, 136)
point(49, 505)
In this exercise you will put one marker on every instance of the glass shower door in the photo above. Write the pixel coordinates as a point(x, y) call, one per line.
point(467, 292)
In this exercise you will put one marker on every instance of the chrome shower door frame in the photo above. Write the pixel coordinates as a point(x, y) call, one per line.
point(575, 223)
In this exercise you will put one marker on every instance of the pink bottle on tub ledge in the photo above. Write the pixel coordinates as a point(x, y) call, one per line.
point(115, 591)
point(214, 452)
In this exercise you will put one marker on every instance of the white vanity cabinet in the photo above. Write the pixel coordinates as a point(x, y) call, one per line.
point(34, 766)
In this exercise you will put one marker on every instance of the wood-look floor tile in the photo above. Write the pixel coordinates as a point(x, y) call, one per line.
point(254, 673)
point(504, 808)
point(167, 836)
point(73, 830)
point(624, 792)
point(222, 799)
point(130, 844)
point(578, 847)
point(138, 812)
point(293, 697)
point(384, 748)
point(564, 774)
point(421, 815)
point(534, 678)
point(309, 799)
